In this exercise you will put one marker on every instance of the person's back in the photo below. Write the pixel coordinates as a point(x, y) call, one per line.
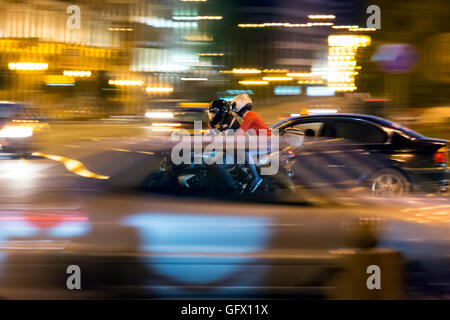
point(253, 121)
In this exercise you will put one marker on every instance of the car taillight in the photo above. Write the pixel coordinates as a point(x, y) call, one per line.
point(441, 156)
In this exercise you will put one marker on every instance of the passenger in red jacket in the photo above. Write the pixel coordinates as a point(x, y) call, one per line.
point(252, 124)
point(242, 104)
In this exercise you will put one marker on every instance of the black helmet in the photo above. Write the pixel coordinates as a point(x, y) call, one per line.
point(218, 109)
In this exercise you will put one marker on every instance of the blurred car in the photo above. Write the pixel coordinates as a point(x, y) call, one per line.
point(17, 131)
point(407, 162)
point(178, 119)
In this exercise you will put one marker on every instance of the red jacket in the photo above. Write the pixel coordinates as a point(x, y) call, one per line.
point(252, 120)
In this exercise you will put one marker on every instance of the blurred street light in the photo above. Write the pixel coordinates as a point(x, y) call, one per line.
point(277, 78)
point(80, 74)
point(27, 66)
point(342, 60)
point(156, 90)
point(344, 26)
point(211, 54)
point(322, 16)
point(58, 80)
point(194, 79)
point(254, 82)
point(246, 71)
point(131, 83)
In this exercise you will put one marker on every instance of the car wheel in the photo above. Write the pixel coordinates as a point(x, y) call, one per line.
point(390, 183)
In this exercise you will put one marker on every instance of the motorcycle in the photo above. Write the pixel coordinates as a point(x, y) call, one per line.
point(199, 176)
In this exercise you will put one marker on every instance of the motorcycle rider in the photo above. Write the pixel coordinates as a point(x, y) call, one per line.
point(222, 116)
point(242, 104)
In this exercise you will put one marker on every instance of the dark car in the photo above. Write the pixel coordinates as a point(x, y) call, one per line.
point(407, 161)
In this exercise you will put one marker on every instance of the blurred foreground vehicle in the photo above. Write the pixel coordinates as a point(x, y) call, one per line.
point(169, 120)
point(96, 213)
point(407, 161)
point(16, 130)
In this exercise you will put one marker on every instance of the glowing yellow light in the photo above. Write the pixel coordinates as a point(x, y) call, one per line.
point(59, 80)
point(159, 89)
point(210, 54)
point(273, 24)
point(131, 83)
point(73, 73)
point(72, 165)
point(246, 71)
point(120, 29)
point(351, 63)
point(27, 66)
point(319, 24)
point(159, 115)
point(157, 129)
point(194, 79)
point(362, 29)
point(199, 38)
point(349, 41)
point(197, 18)
point(16, 131)
point(275, 70)
point(310, 82)
point(300, 74)
point(342, 61)
point(254, 82)
point(277, 78)
point(310, 112)
point(322, 16)
point(344, 27)
point(194, 104)
point(159, 124)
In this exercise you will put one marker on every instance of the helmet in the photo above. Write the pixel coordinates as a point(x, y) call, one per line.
point(241, 101)
point(219, 105)
point(218, 110)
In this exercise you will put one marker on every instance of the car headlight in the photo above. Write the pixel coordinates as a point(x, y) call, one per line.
point(16, 132)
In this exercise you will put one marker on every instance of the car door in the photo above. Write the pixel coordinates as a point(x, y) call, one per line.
point(363, 145)
point(312, 163)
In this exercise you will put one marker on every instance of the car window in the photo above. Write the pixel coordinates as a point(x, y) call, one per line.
point(311, 129)
point(406, 130)
point(357, 131)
